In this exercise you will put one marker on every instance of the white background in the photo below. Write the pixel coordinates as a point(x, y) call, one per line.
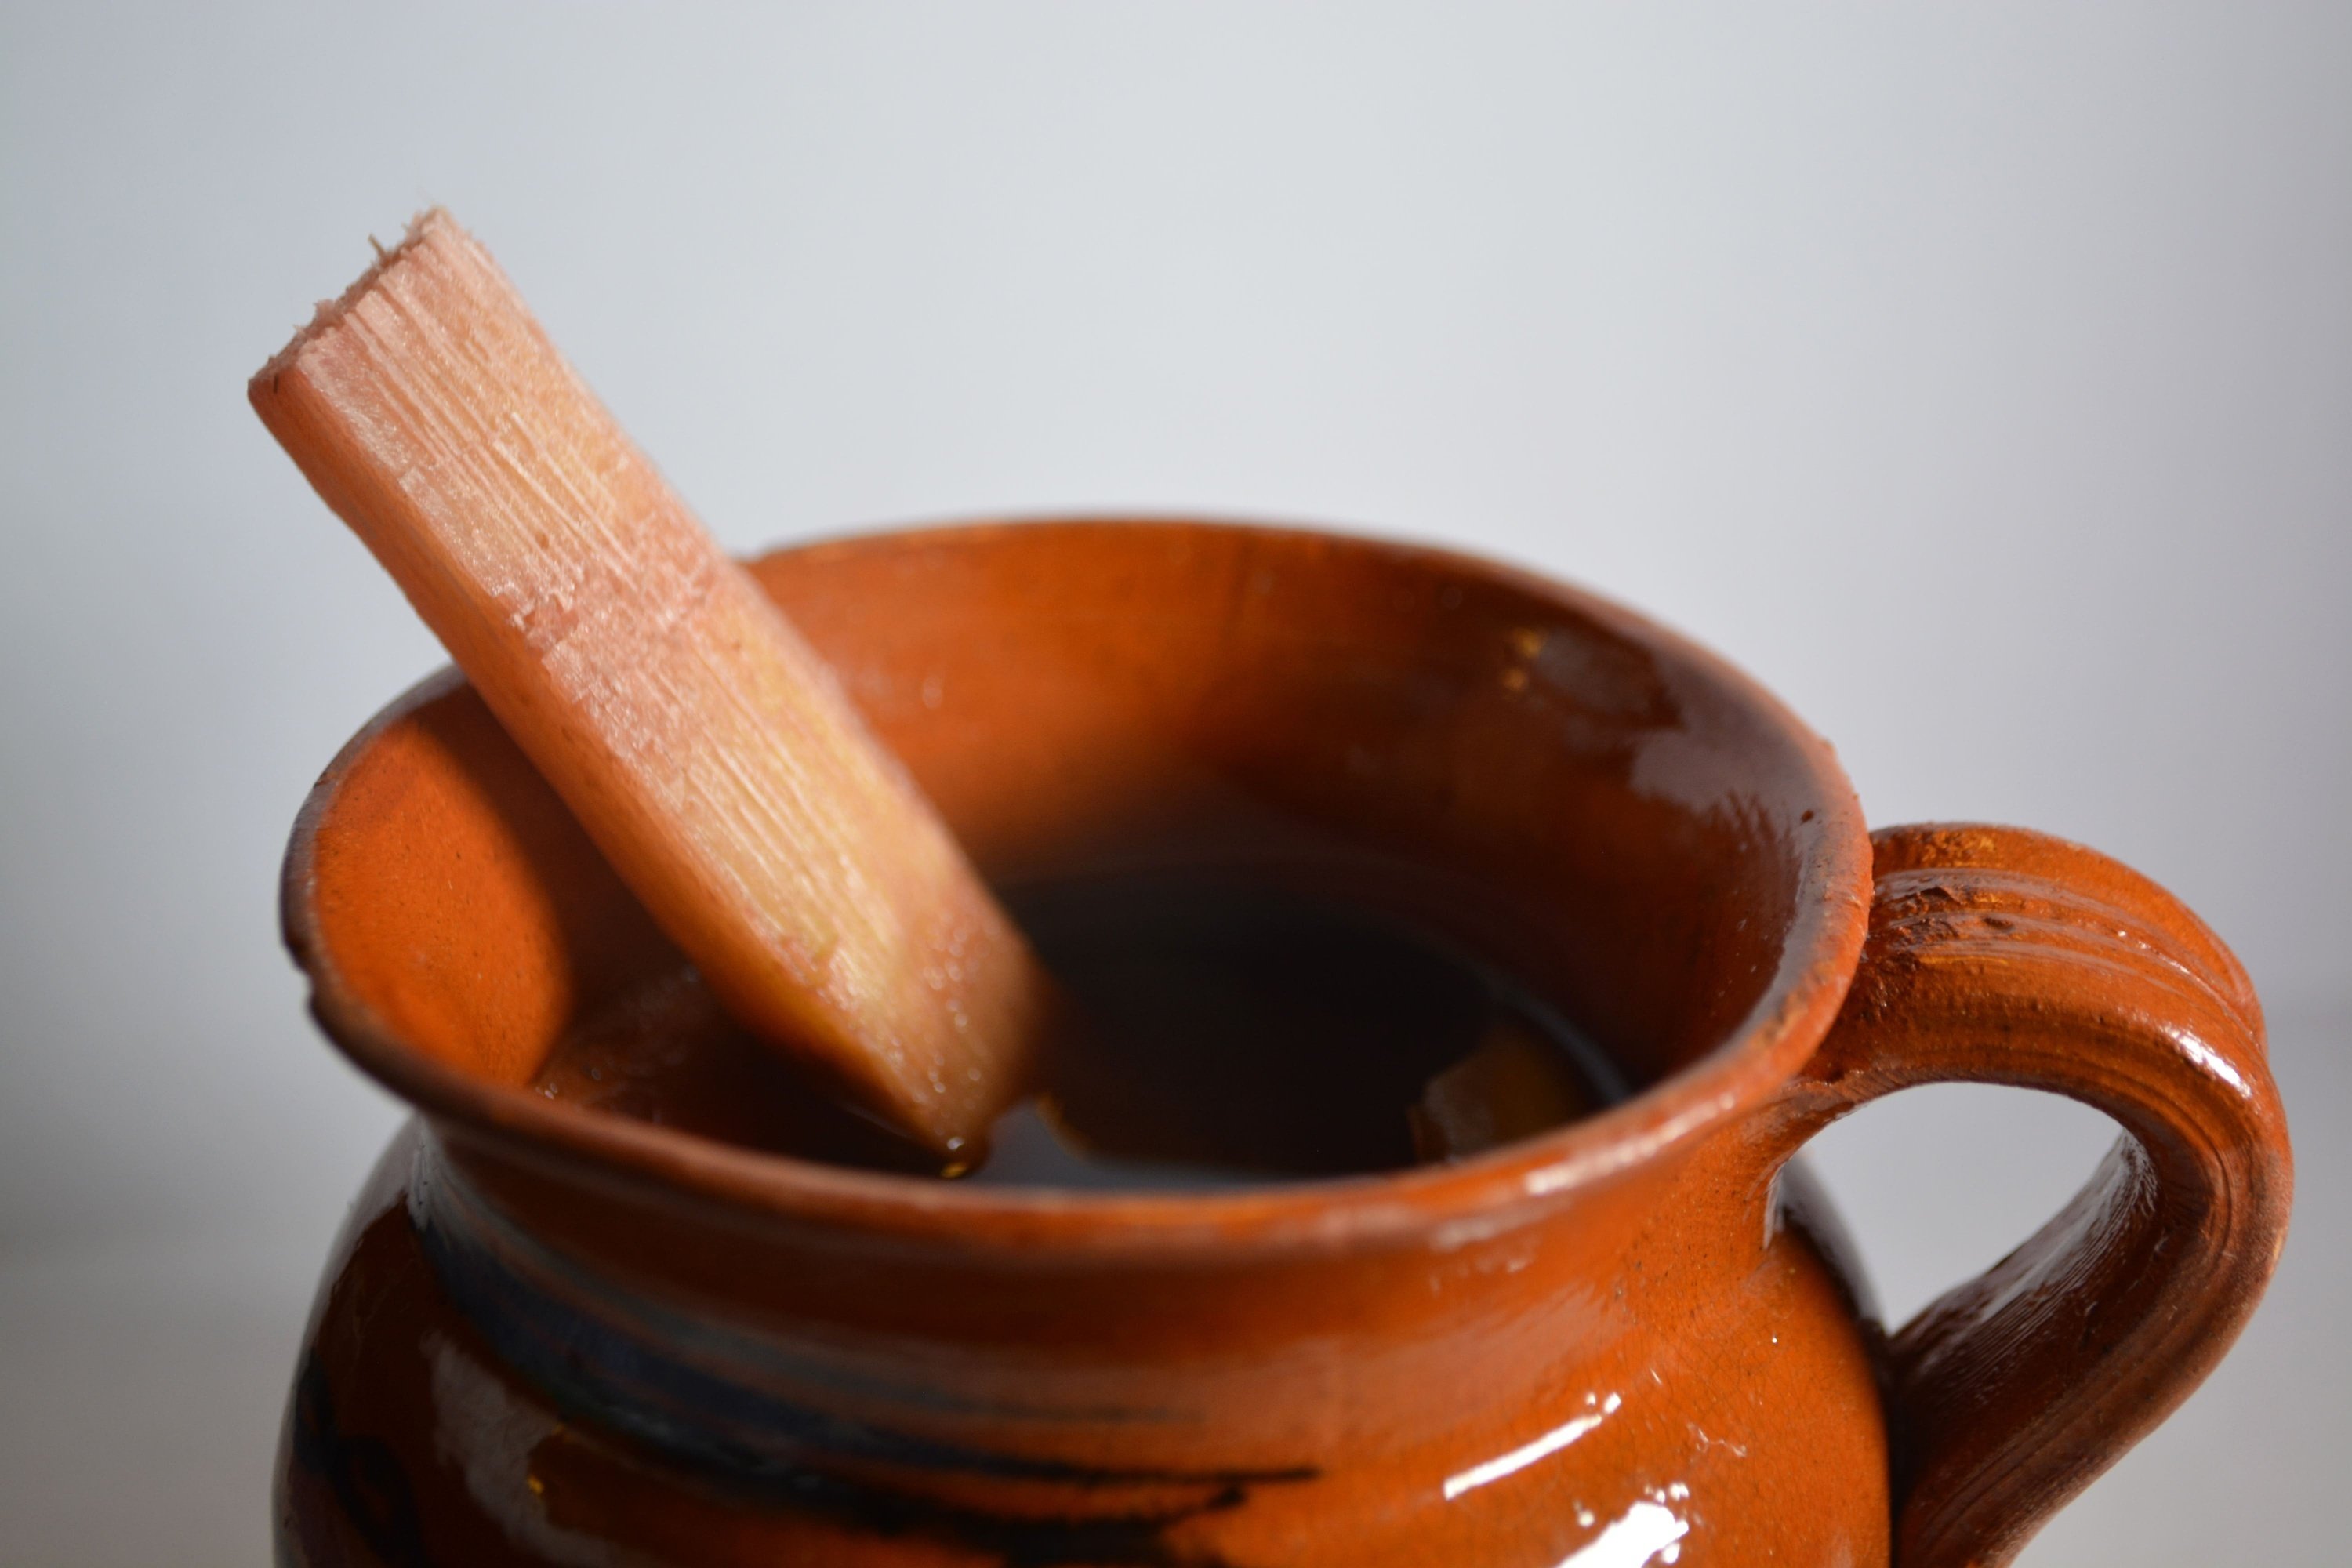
point(1980, 376)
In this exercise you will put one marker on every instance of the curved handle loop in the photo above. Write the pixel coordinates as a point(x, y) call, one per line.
point(1996, 956)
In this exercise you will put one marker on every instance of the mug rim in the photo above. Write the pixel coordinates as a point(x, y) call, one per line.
point(1446, 1204)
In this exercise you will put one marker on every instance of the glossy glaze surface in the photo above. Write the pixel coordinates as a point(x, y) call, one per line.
point(554, 1336)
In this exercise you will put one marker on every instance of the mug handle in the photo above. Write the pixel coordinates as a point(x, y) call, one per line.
point(1996, 955)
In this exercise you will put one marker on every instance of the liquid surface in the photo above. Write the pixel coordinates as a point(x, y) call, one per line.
point(1235, 1037)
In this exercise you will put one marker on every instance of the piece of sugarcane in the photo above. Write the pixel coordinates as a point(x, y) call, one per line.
point(704, 745)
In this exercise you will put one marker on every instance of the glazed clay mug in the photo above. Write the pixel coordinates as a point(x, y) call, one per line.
point(554, 1336)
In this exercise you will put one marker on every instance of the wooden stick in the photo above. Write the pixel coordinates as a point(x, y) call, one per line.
point(703, 744)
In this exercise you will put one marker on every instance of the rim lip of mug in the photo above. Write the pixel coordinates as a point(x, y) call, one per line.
point(1446, 1204)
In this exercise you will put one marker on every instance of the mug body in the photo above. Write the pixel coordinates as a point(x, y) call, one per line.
point(554, 1336)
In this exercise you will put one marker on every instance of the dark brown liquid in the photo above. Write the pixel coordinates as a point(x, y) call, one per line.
point(1235, 1037)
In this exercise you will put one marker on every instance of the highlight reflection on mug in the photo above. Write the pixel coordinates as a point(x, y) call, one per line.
point(1520, 1459)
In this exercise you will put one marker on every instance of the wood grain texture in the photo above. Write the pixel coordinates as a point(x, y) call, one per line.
point(703, 744)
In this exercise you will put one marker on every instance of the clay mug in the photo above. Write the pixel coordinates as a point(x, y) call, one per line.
point(550, 1336)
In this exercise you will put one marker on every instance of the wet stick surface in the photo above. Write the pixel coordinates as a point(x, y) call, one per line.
point(701, 743)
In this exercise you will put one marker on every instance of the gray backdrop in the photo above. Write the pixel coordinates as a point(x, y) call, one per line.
point(1980, 378)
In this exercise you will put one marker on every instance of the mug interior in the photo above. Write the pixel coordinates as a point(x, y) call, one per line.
point(1639, 836)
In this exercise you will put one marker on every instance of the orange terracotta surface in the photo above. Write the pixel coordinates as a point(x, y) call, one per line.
point(551, 1336)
